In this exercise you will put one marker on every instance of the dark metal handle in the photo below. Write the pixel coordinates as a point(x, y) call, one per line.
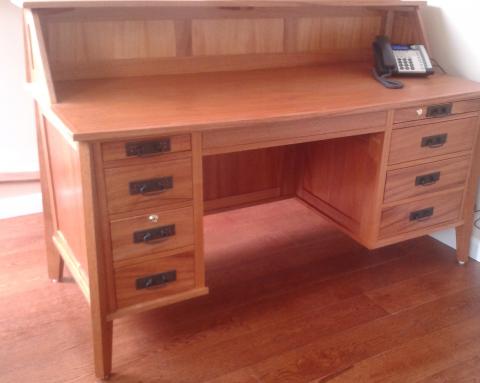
point(427, 179)
point(434, 141)
point(154, 235)
point(147, 148)
point(152, 186)
point(439, 110)
point(421, 215)
point(156, 280)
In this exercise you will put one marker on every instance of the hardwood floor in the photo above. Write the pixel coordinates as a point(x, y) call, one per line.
point(291, 300)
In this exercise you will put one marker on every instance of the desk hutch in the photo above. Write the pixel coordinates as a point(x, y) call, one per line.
point(152, 113)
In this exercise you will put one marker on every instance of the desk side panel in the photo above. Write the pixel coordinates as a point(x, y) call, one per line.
point(67, 198)
point(340, 180)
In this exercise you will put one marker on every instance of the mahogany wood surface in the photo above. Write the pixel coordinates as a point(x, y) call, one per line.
point(123, 246)
point(64, 162)
point(54, 260)
point(397, 219)
point(95, 109)
point(407, 145)
point(401, 183)
point(340, 178)
point(341, 310)
point(126, 276)
point(118, 182)
point(420, 112)
point(262, 100)
point(228, 3)
point(253, 175)
point(112, 151)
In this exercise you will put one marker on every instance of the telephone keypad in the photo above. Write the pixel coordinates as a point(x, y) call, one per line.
point(409, 61)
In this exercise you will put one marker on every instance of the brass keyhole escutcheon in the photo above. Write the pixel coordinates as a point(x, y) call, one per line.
point(153, 218)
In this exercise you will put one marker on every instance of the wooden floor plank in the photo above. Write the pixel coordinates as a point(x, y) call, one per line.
point(285, 305)
point(339, 352)
point(418, 358)
point(464, 372)
point(416, 291)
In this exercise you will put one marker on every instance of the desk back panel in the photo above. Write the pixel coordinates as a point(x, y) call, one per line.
point(116, 42)
point(253, 176)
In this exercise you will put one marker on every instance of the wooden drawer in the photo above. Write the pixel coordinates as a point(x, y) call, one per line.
point(131, 280)
point(164, 230)
point(421, 112)
point(157, 147)
point(171, 179)
point(428, 178)
point(408, 217)
point(428, 140)
point(263, 135)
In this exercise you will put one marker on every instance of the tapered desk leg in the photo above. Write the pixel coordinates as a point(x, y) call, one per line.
point(102, 346)
point(54, 260)
point(464, 232)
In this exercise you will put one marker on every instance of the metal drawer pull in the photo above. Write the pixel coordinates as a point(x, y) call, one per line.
point(439, 110)
point(421, 215)
point(434, 141)
point(147, 148)
point(155, 235)
point(156, 280)
point(427, 179)
point(152, 186)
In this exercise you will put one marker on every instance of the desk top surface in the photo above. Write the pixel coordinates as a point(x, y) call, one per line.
point(229, 3)
point(115, 108)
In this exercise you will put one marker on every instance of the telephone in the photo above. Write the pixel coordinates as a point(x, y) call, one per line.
point(400, 60)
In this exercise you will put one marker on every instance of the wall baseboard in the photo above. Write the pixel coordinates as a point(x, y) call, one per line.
point(19, 177)
point(475, 248)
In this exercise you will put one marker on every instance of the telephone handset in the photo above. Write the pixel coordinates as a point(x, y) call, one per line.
point(399, 60)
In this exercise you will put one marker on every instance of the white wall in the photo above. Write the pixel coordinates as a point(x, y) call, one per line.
point(18, 149)
point(453, 29)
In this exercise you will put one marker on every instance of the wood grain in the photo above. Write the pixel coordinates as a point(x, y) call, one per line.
point(464, 233)
point(331, 271)
point(54, 260)
point(208, 3)
point(112, 151)
point(400, 183)
point(406, 143)
point(420, 112)
point(337, 32)
point(237, 36)
point(342, 175)
point(396, 219)
point(123, 246)
point(94, 109)
point(40, 73)
point(117, 181)
point(242, 173)
point(126, 276)
point(67, 191)
point(286, 132)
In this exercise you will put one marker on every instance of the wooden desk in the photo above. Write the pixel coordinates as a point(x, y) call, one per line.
point(152, 114)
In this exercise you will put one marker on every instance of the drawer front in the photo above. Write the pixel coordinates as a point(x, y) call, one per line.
point(430, 140)
point(428, 178)
point(154, 279)
point(433, 111)
point(150, 147)
point(151, 233)
point(140, 186)
point(420, 214)
point(290, 131)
